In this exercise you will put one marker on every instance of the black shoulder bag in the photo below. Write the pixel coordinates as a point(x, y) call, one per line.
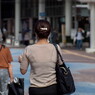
point(65, 82)
point(16, 87)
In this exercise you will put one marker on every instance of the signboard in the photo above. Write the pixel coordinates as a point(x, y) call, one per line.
point(42, 14)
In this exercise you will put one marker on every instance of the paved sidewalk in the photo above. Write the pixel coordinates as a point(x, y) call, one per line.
point(74, 55)
point(81, 64)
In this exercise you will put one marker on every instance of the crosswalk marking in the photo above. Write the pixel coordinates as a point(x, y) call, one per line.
point(77, 54)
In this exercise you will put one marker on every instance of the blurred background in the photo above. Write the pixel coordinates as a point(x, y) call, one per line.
point(18, 17)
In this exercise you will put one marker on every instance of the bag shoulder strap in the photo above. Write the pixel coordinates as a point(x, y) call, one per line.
point(58, 54)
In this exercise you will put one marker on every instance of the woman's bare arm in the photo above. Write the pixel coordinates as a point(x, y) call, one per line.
point(10, 72)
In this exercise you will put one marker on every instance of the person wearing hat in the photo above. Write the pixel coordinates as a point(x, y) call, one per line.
point(5, 67)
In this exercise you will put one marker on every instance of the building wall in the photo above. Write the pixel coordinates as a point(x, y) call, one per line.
point(54, 10)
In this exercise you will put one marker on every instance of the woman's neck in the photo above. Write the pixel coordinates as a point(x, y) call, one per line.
point(42, 41)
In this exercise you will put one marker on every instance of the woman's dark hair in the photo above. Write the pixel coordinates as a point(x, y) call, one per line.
point(2, 46)
point(42, 29)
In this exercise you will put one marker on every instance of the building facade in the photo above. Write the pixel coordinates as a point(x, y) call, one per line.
point(91, 4)
point(64, 15)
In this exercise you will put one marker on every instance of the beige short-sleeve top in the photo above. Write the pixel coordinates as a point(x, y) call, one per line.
point(42, 60)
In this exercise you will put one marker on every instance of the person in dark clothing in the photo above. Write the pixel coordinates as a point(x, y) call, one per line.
point(54, 36)
point(4, 34)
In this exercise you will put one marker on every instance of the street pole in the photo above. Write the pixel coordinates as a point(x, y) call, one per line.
point(17, 21)
point(0, 14)
point(41, 8)
point(75, 10)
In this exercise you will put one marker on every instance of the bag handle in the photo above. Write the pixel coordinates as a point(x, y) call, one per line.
point(58, 54)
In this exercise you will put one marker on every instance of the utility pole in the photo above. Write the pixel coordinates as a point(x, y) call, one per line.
point(0, 14)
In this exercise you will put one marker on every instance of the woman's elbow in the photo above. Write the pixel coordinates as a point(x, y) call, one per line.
point(23, 71)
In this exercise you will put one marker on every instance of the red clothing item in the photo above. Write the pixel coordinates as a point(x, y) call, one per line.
point(5, 57)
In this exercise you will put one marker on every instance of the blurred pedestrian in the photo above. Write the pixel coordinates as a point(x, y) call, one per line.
point(24, 30)
point(42, 57)
point(1, 35)
point(79, 38)
point(54, 36)
point(27, 38)
point(5, 68)
point(33, 37)
point(5, 33)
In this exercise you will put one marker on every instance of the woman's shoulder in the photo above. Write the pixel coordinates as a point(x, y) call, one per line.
point(37, 45)
point(5, 48)
point(30, 47)
point(34, 46)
